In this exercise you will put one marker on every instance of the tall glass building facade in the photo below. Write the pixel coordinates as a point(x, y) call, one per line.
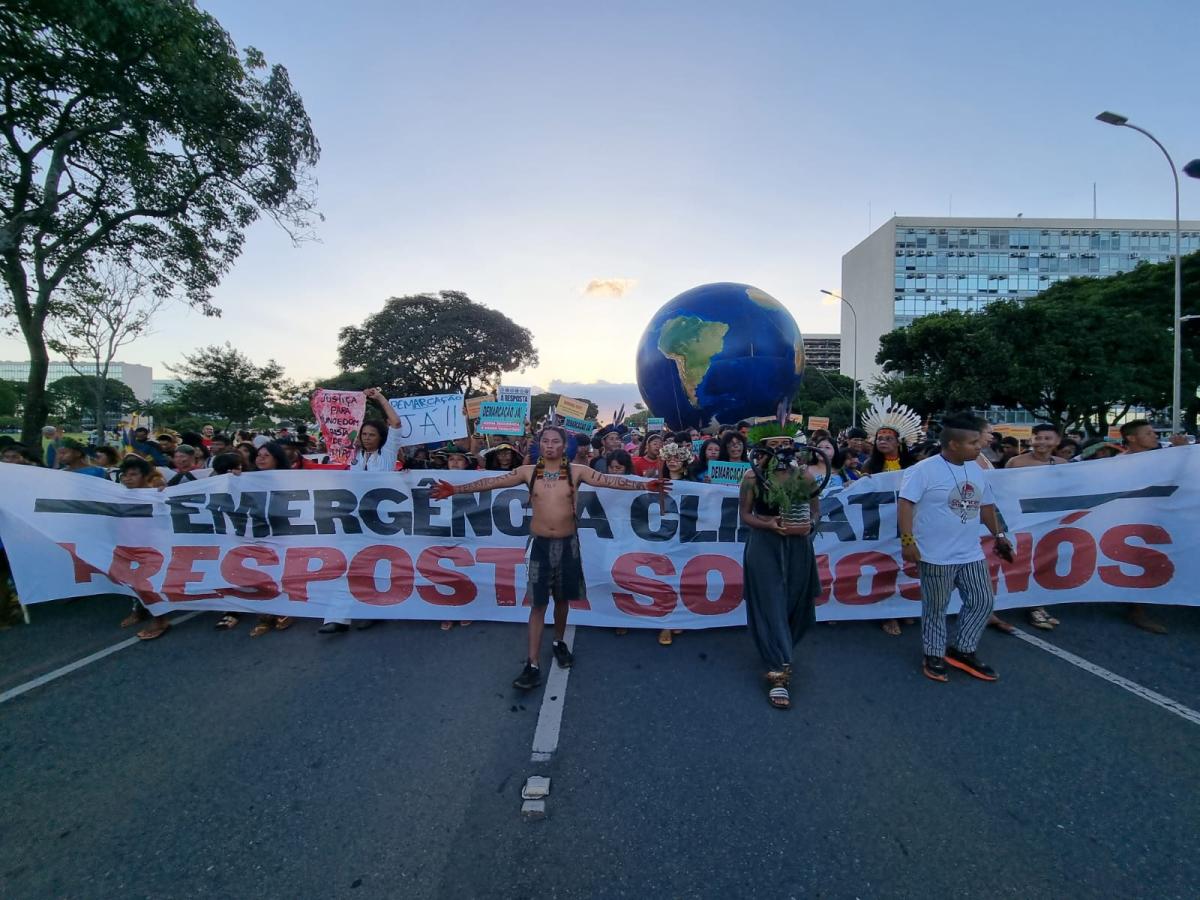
point(139, 378)
point(940, 268)
point(911, 267)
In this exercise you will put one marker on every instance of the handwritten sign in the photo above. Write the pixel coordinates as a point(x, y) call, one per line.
point(698, 447)
point(579, 426)
point(502, 418)
point(513, 394)
point(339, 415)
point(1114, 432)
point(435, 418)
point(726, 472)
point(656, 424)
point(818, 423)
point(473, 404)
point(567, 407)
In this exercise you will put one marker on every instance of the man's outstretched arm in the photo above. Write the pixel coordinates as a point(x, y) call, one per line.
point(444, 489)
point(588, 475)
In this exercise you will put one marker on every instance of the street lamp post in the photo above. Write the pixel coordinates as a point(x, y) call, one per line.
point(1112, 118)
point(854, 364)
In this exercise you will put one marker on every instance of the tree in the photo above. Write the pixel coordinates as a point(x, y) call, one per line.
point(294, 401)
point(75, 395)
point(133, 132)
point(224, 384)
point(102, 312)
point(434, 343)
point(10, 396)
point(1071, 355)
point(828, 394)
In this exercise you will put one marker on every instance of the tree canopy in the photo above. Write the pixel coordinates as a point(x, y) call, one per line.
point(1070, 355)
point(226, 385)
point(135, 131)
point(828, 394)
point(434, 343)
point(74, 397)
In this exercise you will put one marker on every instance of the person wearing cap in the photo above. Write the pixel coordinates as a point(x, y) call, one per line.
point(501, 458)
point(72, 457)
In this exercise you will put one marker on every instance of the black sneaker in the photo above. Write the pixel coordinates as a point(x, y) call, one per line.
point(935, 668)
point(562, 654)
point(530, 677)
point(971, 664)
point(333, 628)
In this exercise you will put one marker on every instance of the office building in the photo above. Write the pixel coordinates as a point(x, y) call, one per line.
point(911, 267)
point(163, 388)
point(139, 378)
point(823, 351)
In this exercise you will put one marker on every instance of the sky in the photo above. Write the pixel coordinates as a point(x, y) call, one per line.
point(576, 166)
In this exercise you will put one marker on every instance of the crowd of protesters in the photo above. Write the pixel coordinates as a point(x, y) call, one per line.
point(145, 459)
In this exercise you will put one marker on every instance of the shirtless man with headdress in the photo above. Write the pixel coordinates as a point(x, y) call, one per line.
point(553, 558)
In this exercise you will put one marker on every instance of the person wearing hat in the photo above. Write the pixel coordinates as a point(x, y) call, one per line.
point(72, 457)
point(779, 565)
point(607, 440)
point(501, 458)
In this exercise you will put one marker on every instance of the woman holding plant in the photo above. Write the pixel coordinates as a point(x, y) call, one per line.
point(779, 504)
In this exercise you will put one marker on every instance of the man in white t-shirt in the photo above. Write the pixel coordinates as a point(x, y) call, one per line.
point(942, 501)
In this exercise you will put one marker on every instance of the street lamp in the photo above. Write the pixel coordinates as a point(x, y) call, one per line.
point(1192, 169)
point(854, 365)
point(1112, 118)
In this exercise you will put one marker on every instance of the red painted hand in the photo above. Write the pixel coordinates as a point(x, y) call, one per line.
point(442, 490)
point(659, 485)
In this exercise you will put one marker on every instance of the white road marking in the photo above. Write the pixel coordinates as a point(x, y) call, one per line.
point(1133, 687)
point(554, 697)
point(14, 693)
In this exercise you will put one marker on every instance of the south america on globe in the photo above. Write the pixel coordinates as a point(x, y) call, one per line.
point(725, 351)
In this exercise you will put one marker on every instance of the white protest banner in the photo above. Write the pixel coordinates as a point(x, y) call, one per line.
point(567, 406)
point(436, 418)
point(375, 545)
point(656, 424)
point(726, 472)
point(339, 415)
point(502, 418)
point(513, 394)
point(579, 426)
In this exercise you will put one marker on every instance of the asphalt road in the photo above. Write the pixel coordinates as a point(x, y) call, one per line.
point(389, 763)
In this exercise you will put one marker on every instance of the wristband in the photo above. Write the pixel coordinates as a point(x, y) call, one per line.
point(907, 540)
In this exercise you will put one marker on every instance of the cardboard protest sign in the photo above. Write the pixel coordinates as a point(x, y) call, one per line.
point(818, 423)
point(473, 404)
point(656, 424)
point(434, 419)
point(339, 415)
point(579, 426)
point(567, 406)
point(1114, 432)
point(514, 394)
point(726, 472)
point(502, 418)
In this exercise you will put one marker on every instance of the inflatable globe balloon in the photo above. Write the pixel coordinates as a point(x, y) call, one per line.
point(719, 351)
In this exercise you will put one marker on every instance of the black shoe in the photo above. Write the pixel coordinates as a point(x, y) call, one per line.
point(562, 655)
point(530, 677)
point(935, 668)
point(971, 664)
point(333, 628)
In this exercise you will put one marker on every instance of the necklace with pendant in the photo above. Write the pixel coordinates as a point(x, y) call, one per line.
point(550, 476)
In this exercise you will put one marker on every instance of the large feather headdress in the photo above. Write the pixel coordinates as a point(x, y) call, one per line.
point(896, 417)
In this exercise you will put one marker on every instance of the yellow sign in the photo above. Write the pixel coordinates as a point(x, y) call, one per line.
point(818, 423)
point(1114, 432)
point(473, 404)
point(568, 407)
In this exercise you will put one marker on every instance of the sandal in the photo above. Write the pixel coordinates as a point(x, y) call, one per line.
point(892, 627)
point(154, 631)
point(620, 631)
point(999, 624)
point(664, 637)
point(1038, 618)
point(283, 623)
point(260, 628)
point(137, 614)
point(446, 626)
point(778, 695)
point(227, 621)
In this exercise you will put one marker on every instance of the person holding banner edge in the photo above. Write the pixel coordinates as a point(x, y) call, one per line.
point(377, 452)
point(941, 503)
point(553, 558)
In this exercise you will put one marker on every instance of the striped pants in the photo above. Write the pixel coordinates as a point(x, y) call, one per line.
point(974, 586)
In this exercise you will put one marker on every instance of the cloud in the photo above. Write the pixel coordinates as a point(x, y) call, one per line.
point(609, 287)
